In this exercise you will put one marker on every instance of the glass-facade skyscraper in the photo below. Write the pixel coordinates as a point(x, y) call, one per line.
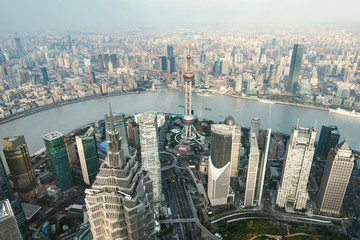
point(45, 75)
point(329, 138)
point(59, 162)
point(89, 159)
point(18, 159)
point(7, 193)
point(295, 67)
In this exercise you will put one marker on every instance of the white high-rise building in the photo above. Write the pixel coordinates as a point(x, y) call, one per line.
point(120, 202)
point(238, 83)
point(8, 225)
point(255, 127)
point(224, 160)
point(256, 170)
point(292, 190)
point(149, 144)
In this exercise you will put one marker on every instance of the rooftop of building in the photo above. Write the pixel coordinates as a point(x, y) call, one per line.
point(30, 210)
point(5, 208)
point(52, 136)
point(222, 129)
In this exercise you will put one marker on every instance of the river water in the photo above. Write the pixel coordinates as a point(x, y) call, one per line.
point(68, 117)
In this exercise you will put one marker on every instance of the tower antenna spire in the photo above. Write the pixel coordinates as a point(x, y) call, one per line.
point(188, 56)
point(111, 119)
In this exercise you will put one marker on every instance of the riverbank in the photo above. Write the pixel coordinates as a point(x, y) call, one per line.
point(55, 105)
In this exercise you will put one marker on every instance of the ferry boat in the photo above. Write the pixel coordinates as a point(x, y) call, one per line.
point(344, 112)
point(203, 94)
point(209, 109)
point(265, 101)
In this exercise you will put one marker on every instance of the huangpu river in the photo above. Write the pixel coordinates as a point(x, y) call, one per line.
point(69, 117)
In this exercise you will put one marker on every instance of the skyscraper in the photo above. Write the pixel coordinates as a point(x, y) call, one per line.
point(7, 193)
point(149, 145)
point(59, 162)
point(172, 65)
point(170, 51)
point(119, 123)
point(114, 61)
point(329, 138)
point(238, 83)
point(163, 63)
point(295, 67)
point(223, 161)
point(8, 226)
point(335, 178)
point(216, 69)
point(19, 47)
point(18, 159)
point(101, 61)
point(255, 127)
point(272, 75)
point(256, 169)
point(133, 133)
point(292, 191)
point(69, 42)
point(120, 202)
point(252, 170)
point(2, 58)
point(88, 155)
point(206, 80)
point(45, 75)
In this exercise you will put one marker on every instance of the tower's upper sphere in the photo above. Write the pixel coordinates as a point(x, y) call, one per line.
point(230, 120)
point(189, 75)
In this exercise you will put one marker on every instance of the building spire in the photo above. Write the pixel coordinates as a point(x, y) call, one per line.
point(188, 56)
point(111, 119)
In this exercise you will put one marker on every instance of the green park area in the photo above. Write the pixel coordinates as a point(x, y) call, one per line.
point(248, 229)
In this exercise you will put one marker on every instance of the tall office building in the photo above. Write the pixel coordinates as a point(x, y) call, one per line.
point(114, 60)
point(335, 179)
point(255, 127)
point(216, 69)
point(295, 67)
point(45, 75)
point(256, 169)
point(89, 159)
point(238, 83)
point(206, 80)
point(59, 162)
point(170, 51)
point(106, 61)
point(101, 61)
point(2, 58)
point(254, 156)
point(272, 75)
point(19, 47)
point(18, 159)
point(224, 159)
point(149, 145)
point(7, 193)
point(133, 133)
point(120, 202)
point(172, 65)
point(329, 138)
point(119, 123)
point(292, 191)
point(8, 226)
point(69, 42)
point(163, 63)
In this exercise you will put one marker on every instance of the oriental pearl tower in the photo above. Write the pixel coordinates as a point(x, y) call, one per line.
point(189, 131)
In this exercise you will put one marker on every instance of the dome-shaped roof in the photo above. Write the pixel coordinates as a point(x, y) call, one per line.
point(230, 120)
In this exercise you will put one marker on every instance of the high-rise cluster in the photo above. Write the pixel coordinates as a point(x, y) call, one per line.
point(120, 202)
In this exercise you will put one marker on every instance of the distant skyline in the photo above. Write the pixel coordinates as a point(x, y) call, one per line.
point(95, 15)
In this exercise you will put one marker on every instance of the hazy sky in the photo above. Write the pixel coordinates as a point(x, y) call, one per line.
point(28, 15)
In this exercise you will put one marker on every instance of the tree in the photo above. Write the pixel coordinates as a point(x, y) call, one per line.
point(250, 224)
